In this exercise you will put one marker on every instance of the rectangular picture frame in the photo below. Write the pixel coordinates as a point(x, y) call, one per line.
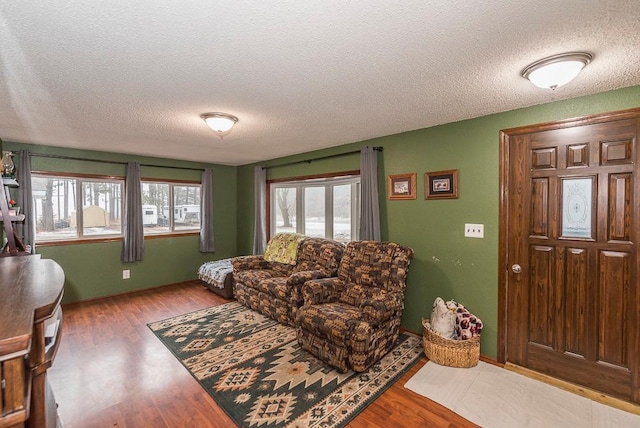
point(402, 186)
point(441, 184)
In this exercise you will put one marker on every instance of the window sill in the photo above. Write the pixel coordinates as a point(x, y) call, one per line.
point(102, 240)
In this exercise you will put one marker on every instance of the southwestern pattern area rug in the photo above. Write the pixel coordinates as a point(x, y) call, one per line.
point(254, 369)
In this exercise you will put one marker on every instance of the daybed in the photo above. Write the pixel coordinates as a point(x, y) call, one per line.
point(217, 276)
point(270, 284)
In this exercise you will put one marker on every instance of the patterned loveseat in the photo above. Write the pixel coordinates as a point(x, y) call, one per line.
point(353, 320)
point(273, 288)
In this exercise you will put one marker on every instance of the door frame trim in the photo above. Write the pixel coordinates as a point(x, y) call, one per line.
point(505, 136)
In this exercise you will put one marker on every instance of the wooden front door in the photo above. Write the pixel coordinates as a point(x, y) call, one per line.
point(569, 293)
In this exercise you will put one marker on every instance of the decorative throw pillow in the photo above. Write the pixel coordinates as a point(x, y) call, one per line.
point(443, 320)
point(467, 324)
point(283, 248)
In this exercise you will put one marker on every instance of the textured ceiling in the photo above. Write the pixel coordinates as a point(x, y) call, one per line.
point(135, 76)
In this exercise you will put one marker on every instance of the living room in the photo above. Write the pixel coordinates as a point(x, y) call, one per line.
point(446, 263)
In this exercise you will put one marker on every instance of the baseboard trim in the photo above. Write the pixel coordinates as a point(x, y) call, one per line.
point(136, 291)
point(576, 389)
point(492, 361)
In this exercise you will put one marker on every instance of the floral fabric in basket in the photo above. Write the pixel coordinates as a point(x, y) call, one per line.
point(467, 324)
point(452, 320)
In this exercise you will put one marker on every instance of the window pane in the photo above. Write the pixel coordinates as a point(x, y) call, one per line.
point(328, 206)
point(186, 208)
point(342, 213)
point(54, 208)
point(101, 208)
point(285, 209)
point(314, 212)
point(155, 208)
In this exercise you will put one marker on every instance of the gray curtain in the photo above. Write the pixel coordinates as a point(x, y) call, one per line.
point(27, 228)
point(207, 239)
point(369, 203)
point(133, 242)
point(260, 205)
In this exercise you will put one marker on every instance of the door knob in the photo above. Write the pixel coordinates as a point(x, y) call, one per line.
point(516, 268)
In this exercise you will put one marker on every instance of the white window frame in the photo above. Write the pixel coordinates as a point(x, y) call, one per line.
point(78, 205)
point(328, 183)
point(172, 209)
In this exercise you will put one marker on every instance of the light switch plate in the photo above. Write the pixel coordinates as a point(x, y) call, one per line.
point(473, 230)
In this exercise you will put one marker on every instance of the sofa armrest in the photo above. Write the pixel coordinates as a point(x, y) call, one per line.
point(296, 281)
point(249, 263)
point(304, 276)
point(381, 307)
point(325, 290)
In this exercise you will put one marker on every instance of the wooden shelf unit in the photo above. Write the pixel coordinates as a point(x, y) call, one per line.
point(30, 294)
point(15, 246)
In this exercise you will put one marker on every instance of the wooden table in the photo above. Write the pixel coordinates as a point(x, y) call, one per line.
point(30, 293)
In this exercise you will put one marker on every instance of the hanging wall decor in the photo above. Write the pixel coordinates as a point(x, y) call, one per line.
point(402, 186)
point(441, 184)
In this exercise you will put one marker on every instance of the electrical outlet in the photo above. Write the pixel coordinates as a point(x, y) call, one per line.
point(126, 274)
point(472, 230)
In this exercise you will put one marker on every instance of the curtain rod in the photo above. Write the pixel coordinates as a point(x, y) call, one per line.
point(42, 155)
point(378, 149)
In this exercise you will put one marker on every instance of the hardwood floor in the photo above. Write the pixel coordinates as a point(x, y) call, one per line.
point(111, 371)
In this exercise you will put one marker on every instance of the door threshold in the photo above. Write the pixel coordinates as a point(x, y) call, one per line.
point(576, 389)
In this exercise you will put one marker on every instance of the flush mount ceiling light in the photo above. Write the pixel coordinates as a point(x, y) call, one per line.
point(220, 123)
point(556, 70)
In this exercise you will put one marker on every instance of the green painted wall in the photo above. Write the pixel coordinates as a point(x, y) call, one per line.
point(95, 270)
point(446, 264)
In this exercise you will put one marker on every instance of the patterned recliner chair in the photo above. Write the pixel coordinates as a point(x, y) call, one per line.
point(353, 320)
point(273, 288)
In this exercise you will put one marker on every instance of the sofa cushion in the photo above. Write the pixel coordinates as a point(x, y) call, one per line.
point(317, 254)
point(330, 320)
point(367, 263)
point(252, 278)
point(372, 263)
point(376, 305)
point(275, 286)
point(354, 295)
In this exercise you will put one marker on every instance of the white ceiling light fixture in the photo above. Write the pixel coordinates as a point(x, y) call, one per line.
point(220, 123)
point(556, 70)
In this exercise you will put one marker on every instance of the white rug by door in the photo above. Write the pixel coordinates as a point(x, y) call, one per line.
point(494, 397)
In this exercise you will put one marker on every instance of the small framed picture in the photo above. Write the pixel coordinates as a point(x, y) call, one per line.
point(402, 186)
point(441, 184)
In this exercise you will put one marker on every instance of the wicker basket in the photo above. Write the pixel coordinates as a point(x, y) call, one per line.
point(447, 352)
